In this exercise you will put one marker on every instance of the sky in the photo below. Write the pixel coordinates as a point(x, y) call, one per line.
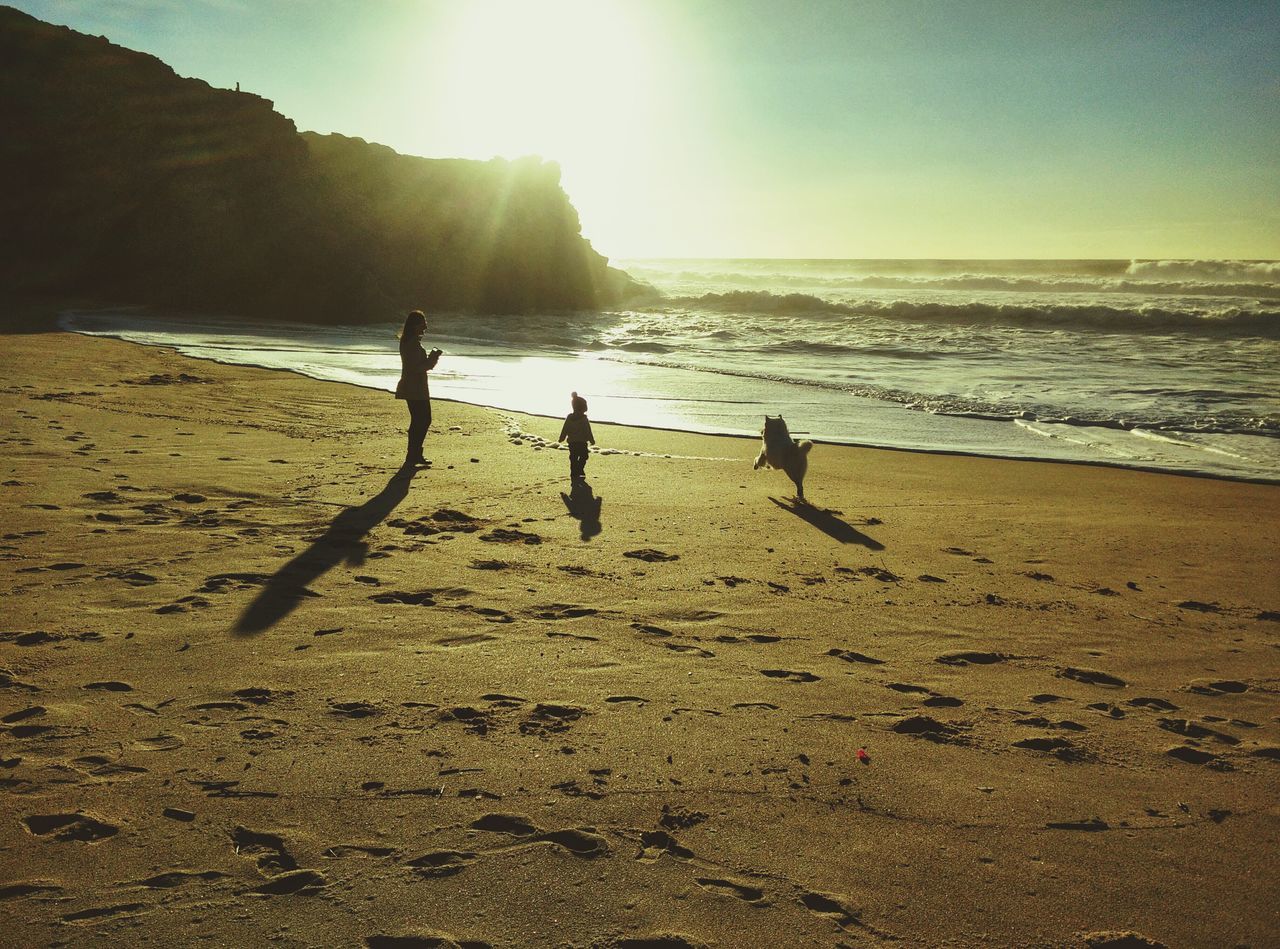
point(822, 128)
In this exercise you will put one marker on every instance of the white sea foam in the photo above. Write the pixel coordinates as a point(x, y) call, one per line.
point(1179, 382)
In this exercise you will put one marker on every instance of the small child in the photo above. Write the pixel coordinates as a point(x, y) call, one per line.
point(577, 429)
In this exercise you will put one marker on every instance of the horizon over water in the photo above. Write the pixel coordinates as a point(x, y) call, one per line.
point(1170, 365)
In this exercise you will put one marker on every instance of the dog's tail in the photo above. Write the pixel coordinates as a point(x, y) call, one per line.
point(804, 446)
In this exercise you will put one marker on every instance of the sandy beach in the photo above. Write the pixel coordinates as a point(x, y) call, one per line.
point(259, 687)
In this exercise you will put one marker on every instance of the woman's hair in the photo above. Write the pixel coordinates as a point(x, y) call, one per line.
point(578, 402)
point(415, 318)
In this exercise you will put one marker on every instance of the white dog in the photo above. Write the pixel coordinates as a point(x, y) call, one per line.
point(780, 450)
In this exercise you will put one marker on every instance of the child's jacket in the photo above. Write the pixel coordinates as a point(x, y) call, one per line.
point(577, 428)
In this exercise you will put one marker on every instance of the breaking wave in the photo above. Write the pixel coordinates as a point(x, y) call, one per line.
point(1258, 290)
point(1248, 271)
point(1222, 321)
point(957, 406)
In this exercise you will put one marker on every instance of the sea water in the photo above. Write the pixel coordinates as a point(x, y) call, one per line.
point(1167, 365)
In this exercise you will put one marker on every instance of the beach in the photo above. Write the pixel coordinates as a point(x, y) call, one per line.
point(259, 686)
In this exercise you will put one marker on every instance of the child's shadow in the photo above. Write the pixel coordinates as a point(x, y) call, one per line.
point(585, 507)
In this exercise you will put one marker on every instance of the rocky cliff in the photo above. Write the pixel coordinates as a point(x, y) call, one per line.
point(121, 181)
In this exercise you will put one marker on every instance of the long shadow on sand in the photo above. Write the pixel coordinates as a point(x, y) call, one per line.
point(828, 523)
point(342, 542)
point(585, 507)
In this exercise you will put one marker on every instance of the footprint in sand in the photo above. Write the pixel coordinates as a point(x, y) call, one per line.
point(1091, 825)
point(69, 827)
point(442, 863)
point(1091, 677)
point(1219, 687)
point(341, 851)
point(158, 743)
point(579, 842)
point(358, 709)
point(562, 611)
point(922, 726)
point(513, 824)
point(176, 878)
point(972, 658)
point(691, 650)
point(553, 634)
point(828, 906)
point(1039, 721)
point(739, 891)
point(289, 884)
point(504, 535)
point(649, 555)
point(790, 675)
point(905, 687)
point(25, 713)
point(473, 720)
point(650, 630)
point(260, 696)
point(425, 598)
point(1197, 607)
point(269, 850)
point(1180, 726)
point(489, 614)
point(106, 912)
point(8, 681)
point(1062, 748)
point(1199, 756)
point(15, 891)
point(471, 639)
point(1159, 705)
point(849, 655)
point(655, 844)
point(548, 719)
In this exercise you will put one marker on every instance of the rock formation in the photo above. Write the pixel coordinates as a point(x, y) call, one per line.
point(123, 182)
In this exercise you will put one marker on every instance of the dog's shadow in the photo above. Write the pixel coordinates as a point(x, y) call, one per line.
point(827, 522)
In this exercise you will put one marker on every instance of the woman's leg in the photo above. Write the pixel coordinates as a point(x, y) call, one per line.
point(419, 422)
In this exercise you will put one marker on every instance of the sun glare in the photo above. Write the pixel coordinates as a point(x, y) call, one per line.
point(544, 77)
point(585, 83)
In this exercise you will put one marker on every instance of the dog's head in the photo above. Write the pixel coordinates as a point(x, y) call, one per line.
point(775, 427)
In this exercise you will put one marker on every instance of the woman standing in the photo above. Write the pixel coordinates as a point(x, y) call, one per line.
point(415, 363)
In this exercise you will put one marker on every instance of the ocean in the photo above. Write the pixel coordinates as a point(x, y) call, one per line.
point(1169, 365)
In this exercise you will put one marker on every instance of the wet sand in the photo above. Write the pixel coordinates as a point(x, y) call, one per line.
point(257, 686)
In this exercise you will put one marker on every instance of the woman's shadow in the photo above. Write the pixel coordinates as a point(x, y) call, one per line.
point(585, 507)
point(342, 542)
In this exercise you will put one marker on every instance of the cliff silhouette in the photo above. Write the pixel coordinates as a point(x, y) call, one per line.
point(121, 181)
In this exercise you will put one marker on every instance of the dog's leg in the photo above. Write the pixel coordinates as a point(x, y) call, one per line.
point(760, 459)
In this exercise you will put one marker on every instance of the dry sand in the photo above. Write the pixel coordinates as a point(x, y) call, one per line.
point(257, 688)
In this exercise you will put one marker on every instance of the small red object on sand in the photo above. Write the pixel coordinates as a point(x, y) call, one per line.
point(863, 756)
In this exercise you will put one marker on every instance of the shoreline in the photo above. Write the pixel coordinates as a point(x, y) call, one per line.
point(961, 419)
point(261, 685)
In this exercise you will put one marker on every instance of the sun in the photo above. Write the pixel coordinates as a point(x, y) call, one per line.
point(586, 83)
point(544, 77)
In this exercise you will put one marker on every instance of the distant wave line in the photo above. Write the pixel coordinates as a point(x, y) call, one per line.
point(1232, 321)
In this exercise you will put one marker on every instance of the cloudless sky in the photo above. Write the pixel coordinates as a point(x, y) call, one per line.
point(764, 128)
